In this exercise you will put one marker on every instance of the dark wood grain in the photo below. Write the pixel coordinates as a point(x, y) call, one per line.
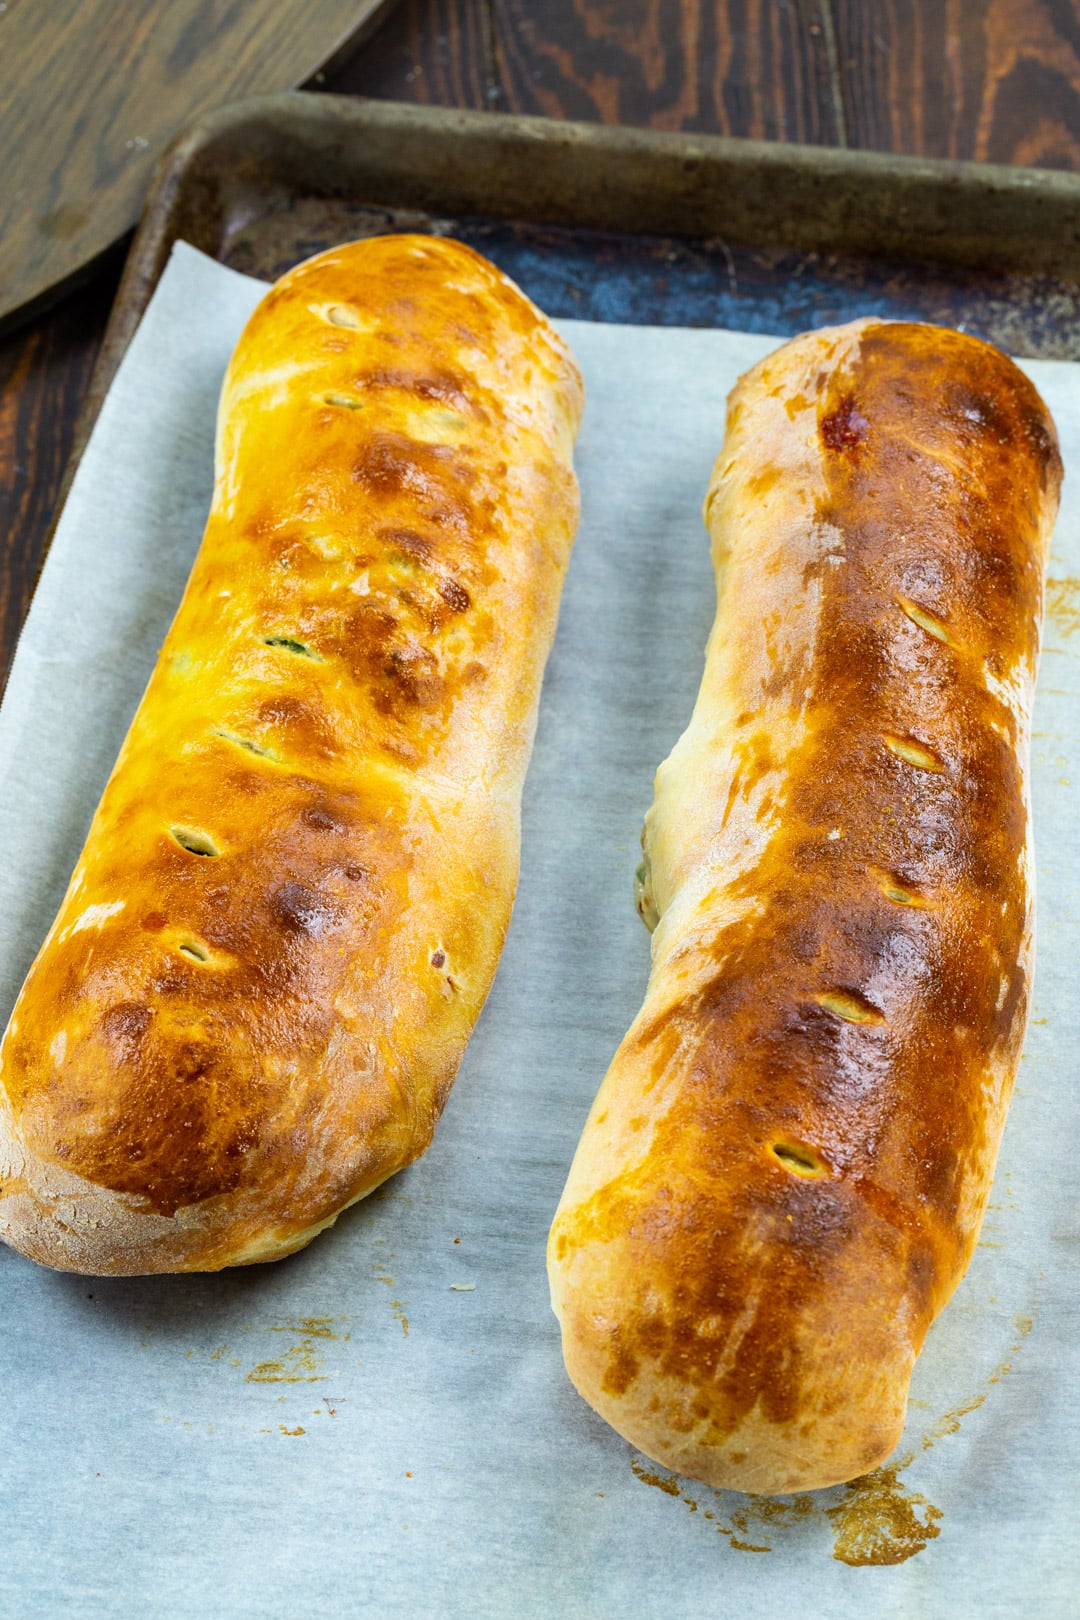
point(439, 53)
point(44, 373)
point(985, 79)
point(748, 67)
point(764, 68)
point(993, 80)
point(91, 94)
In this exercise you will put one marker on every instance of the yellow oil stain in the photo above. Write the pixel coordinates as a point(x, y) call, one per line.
point(381, 1274)
point(279, 1372)
point(301, 1363)
point(949, 1422)
point(673, 1485)
point(877, 1519)
point(661, 1482)
point(760, 1517)
point(770, 1511)
point(1063, 604)
point(311, 1327)
point(1023, 1325)
point(879, 1522)
point(297, 1430)
point(298, 1365)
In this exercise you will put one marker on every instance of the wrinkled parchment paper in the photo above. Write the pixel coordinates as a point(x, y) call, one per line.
point(382, 1423)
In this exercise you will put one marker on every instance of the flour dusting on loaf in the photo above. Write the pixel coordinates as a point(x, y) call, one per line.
point(782, 1178)
point(289, 909)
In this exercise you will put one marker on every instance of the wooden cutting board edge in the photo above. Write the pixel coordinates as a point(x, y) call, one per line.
point(113, 252)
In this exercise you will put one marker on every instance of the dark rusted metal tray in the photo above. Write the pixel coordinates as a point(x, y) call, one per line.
point(616, 224)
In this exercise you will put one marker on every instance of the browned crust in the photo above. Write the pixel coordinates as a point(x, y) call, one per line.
point(291, 902)
point(783, 1176)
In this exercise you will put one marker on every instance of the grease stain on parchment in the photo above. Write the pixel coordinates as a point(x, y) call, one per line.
point(1063, 604)
point(877, 1520)
point(301, 1363)
point(381, 1274)
point(298, 1362)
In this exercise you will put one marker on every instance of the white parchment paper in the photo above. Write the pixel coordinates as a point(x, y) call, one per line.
point(382, 1423)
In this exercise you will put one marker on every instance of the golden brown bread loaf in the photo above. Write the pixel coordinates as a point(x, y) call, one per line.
point(783, 1175)
point(288, 912)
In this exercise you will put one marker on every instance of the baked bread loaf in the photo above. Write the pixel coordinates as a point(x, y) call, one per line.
point(782, 1178)
point(253, 1002)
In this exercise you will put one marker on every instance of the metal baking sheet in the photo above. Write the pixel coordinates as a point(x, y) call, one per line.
point(612, 224)
point(607, 223)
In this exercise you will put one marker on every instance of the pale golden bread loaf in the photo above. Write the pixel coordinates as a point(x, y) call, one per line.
point(289, 909)
point(782, 1178)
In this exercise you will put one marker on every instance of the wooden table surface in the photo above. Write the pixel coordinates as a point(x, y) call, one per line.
point(994, 80)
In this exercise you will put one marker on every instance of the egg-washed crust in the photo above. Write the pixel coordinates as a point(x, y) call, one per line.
point(291, 902)
point(782, 1179)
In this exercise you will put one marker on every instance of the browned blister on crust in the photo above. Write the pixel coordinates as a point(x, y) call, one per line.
point(252, 1004)
point(782, 1179)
